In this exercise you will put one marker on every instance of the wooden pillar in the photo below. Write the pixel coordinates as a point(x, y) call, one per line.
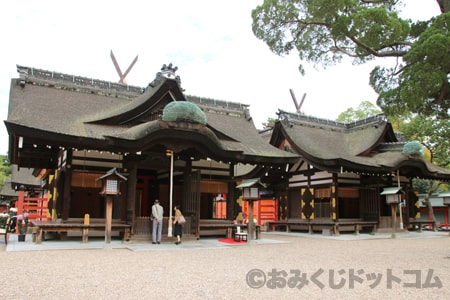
point(20, 201)
point(394, 218)
point(66, 193)
point(131, 163)
point(189, 189)
point(65, 213)
point(231, 201)
point(334, 203)
point(251, 223)
point(52, 195)
point(131, 196)
point(191, 198)
point(85, 231)
point(109, 207)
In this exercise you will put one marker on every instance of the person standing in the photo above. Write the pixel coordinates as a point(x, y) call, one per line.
point(157, 224)
point(178, 228)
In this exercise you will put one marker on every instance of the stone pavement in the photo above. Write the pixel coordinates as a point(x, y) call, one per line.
point(203, 243)
point(367, 236)
point(99, 243)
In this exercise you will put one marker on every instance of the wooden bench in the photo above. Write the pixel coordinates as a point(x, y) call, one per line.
point(333, 225)
point(420, 223)
point(42, 227)
point(357, 225)
point(274, 225)
point(216, 227)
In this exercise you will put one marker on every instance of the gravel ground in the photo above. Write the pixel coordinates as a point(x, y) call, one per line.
point(415, 268)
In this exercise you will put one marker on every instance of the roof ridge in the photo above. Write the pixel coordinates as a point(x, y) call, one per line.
point(217, 103)
point(45, 76)
point(90, 84)
point(301, 118)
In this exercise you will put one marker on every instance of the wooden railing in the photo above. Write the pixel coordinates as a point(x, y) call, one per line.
point(37, 208)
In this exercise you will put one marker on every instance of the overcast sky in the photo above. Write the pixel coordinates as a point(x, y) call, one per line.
point(211, 43)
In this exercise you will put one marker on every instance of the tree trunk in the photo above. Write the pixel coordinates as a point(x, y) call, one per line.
point(433, 188)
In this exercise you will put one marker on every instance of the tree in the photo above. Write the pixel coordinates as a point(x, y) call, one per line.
point(365, 109)
point(5, 169)
point(323, 32)
point(431, 132)
point(433, 187)
point(269, 123)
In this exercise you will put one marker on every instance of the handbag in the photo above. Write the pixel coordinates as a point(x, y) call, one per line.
point(181, 219)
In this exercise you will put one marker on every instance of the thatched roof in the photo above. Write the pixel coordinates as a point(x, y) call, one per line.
point(7, 192)
point(366, 146)
point(19, 177)
point(51, 110)
point(24, 176)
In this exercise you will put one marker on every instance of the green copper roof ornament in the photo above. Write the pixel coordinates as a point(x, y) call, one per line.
point(413, 148)
point(183, 111)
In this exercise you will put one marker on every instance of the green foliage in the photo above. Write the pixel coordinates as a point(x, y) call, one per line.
point(422, 186)
point(4, 218)
point(269, 122)
point(365, 109)
point(421, 85)
point(323, 31)
point(5, 169)
point(22, 223)
point(432, 132)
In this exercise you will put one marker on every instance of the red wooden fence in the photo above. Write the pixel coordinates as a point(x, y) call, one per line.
point(37, 208)
point(263, 210)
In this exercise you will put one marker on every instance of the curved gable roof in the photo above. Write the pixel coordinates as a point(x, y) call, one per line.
point(325, 139)
point(367, 146)
point(145, 107)
point(86, 114)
